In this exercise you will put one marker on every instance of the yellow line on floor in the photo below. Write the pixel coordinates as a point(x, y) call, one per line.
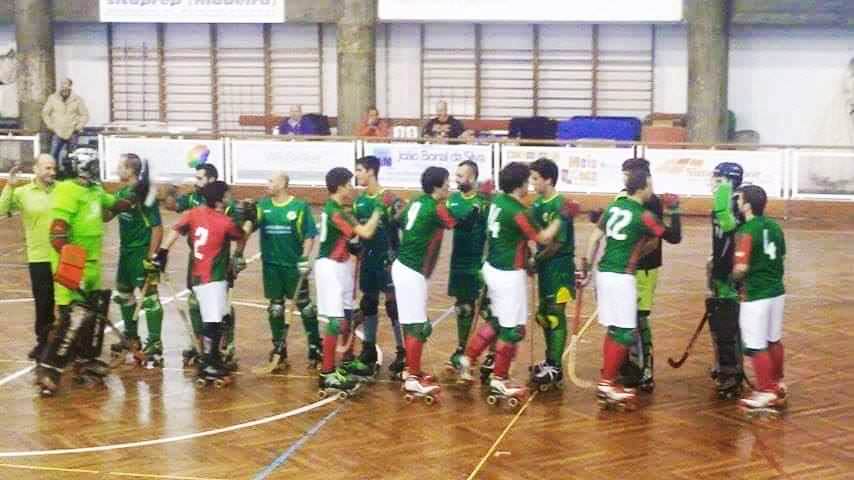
point(501, 437)
point(52, 469)
point(165, 477)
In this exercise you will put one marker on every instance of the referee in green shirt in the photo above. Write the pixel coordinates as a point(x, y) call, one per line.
point(33, 200)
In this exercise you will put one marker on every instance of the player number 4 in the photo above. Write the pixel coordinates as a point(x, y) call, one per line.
point(492, 221)
point(768, 247)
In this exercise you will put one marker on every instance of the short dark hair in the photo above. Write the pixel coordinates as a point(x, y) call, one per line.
point(337, 177)
point(636, 162)
point(210, 170)
point(638, 180)
point(433, 178)
point(133, 161)
point(755, 196)
point(546, 169)
point(472, 165)
point(513, 176)
point(370, 162)
point(214, 192)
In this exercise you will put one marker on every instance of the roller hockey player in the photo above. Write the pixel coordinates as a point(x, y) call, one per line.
point(722, 306)
point(760, 254)
point(333, 275)
point(630, 230)
point(424, 221)
point(377, 255)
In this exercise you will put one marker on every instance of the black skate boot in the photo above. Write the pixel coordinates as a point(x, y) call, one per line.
point(728, 385)
point(369, 356)
point(277, 361)
point(547, 376)
point(395, 368)
point(90, 371)
point(487, 367)
point(47, 380)
point(315, 356)
point(153, 354)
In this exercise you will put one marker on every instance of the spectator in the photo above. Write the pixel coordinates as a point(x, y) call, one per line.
point(296, 124)
point(373, 125)
point(443, 125)
point(65, 115)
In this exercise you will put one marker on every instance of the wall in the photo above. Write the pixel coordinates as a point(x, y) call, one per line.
point(785, 83)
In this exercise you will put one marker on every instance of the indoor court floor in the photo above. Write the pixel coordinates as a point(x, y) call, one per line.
point(158, 425)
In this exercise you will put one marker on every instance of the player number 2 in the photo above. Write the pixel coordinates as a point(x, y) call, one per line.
point(412, 214)
point(768, 246)
point(492, 221)
point(617, 222)
point(201, 239)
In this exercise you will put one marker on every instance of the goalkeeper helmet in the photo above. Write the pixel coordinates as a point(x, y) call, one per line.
point(731, 171)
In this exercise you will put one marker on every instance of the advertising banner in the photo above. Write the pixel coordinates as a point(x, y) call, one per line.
point(171, 160)
point(306, 163)
point(192, 11)
point(402, 163)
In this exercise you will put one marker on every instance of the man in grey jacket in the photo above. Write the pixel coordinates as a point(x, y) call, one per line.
point(65, 115)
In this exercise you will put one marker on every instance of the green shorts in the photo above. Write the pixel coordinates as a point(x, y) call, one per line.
point(279, 281)
point(374, 278)
point(131, 274)
point(556, 281)
point(464, 285)
point(646, 282)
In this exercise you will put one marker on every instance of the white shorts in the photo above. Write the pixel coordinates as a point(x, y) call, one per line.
point(334, 284)
point(617, 299)
point(508, 295)
point(761, 321)
point(350, 285)
point(213, 300)
point(412, 285)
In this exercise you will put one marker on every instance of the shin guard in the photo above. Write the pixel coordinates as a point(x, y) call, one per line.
point(483, 338)
point(613, 356)
point(723, 325)
point(504, 353)
point(414, 348)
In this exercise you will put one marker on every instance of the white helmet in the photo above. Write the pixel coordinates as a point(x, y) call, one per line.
point(85, 163)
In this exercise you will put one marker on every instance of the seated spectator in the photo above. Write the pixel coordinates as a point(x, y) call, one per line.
point(443, 125)
point(295, 124)
point(373, 126)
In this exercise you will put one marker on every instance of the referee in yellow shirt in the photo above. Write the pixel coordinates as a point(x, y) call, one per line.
point(33, 200)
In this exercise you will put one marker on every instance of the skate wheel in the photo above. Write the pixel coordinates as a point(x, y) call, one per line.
point(201, 383)
point(491, 400)
point(321, 394)
point(429, 400)
point(603, 404)
point(544, 387)
point(512, 402)
point(220, 383)
point(343, 395)
point(409, 398)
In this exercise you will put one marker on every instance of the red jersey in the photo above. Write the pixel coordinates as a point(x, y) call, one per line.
point(209, 232)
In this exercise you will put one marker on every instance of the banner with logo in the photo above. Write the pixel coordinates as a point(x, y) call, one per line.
point(591, 11)
point(402, 163)
point(823, 174)
point(171, 160)
point(582, 170)
point(192, 11)
point(306, 163)
point(689, 172)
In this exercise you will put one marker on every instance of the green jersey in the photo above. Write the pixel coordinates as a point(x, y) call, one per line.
point(627, 226)
point(469, 211)
point(385, 241)
point(425, 220)
point(188, 201)
point(336, 229)
point(34, 202)
point(543, 212)
point(509, 230)
point(284, 227)
point(135, 224)
point(760, 245)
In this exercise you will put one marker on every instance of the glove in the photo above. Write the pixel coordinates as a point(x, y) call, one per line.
point(569, 210)
point(304, 265)
point(595, 215)
point(354, 246)
point(238, 264)
point(486, 188)
point(160, 259)
point(149, 267)
point(670, 201)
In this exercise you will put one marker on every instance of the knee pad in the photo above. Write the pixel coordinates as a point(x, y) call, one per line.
point(369, 304)
point(276, 309)
point(125, 299)
point(421, 331)
point(391, 307)
point(334, 326)
point(308, 311)
point(512, 335)
point(151, 304)
point(623, 336)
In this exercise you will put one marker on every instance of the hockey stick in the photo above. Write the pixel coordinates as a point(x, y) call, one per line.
point(188, 324)
point(117, 361)
point(571, 353)
point(678, 363)
point(273, 364)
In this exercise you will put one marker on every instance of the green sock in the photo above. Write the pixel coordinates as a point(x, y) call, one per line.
point(464, 321)
point(131, 327)
point(153, 316)
point(277, 327)
point(556, 338)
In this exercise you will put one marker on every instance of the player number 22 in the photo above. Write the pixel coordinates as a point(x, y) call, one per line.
point(768, 246)
point(617, 222)
point(201, 239)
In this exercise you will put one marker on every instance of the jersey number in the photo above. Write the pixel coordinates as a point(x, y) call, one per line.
point(412, 215)
point(617, 222)
point(201, 239)
point(492, 221)
point(768, 247)
point(323, 228)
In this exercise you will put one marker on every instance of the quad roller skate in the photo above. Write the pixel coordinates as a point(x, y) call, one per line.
point(127, 352)
point(337, 382)
point(762, 404)
point(361, 371)
point(277, 361)
point(229, 358)
point(314, 356)
point(90, 372)
point(500, 389)
point(210, 374)
point(47, 380)
point(612, 396)
point(487, 367)
point(463, 370)
point(190, 357)
point(728, 386)
point(153, 355)
point(395, 368)
point(420, 386)
point(545, 376)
